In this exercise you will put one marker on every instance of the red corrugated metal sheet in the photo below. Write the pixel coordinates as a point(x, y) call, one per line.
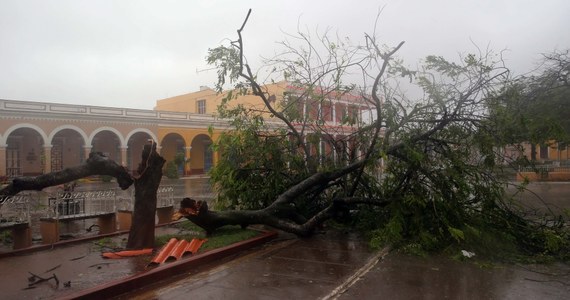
point(175, 249)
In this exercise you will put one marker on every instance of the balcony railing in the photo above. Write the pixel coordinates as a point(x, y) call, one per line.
point(545, 168)
point(85, 110)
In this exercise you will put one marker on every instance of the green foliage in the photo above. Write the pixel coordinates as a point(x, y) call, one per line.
point(456, 234)
point(106, 244)
point(179, 159)
point(534, 108)
point(443, 199)
point(6, 237)
point(253, 168)
point(438, 188)
point(226, 60)
point(171, 170)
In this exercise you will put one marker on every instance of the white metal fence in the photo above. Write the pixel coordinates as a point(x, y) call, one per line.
point(15, 209)
point(82, 203)
point(165, 196)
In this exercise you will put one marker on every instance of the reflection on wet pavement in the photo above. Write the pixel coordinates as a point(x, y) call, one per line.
point(547, 197)
point(293, 269)
point(405, 277)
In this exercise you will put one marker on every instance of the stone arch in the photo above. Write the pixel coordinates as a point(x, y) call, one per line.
point(135, 140)
point(38, 129)
point(25, 152)
point(72, 127)
point(68, 143)
point(106, 128)
point(145, 130)
point(171, 144)
point(201, 154)
point(108, 141)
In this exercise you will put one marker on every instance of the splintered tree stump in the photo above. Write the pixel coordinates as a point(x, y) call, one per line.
point(146, 185)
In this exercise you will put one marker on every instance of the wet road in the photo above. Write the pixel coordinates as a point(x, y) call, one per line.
point(79, 264)
point(329, 266)
point(548, 197)
point(286, 269)
point(333, 267)
point(405, 277)
point(302, 269)
point(337, 266)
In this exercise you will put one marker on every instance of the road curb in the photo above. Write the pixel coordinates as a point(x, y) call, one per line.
point(118, 287)
point(334, 294)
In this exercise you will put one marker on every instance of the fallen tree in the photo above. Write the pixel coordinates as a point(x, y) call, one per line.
point(421, 173)
point(96, 164)
point(146, 185)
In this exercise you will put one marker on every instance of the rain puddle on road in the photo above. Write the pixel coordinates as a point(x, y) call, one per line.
point(75, 267)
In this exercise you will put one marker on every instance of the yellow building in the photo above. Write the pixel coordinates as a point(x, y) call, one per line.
point(207, 100)
point(331, 108)
point(328, 107)
point(550, 152)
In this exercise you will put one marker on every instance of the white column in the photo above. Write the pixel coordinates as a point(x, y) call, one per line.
point(3, 160)
point(87, 151)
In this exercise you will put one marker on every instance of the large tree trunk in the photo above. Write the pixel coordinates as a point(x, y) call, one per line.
point(280, 216)
point(284, 219)
point(141, 234)
point(97, 164)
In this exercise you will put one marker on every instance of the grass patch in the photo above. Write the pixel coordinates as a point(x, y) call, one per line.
point(222, 237)
point(107, 244)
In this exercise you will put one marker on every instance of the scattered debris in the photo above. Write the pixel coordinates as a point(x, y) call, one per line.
point(77, 258)
point(176, 249)
point(127, 253)
point(467, 253)
point(35, 279)
point(91, 227)
point(54, 268)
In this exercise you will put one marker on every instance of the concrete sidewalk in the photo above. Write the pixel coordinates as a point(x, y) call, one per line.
point(283, 269)
point(339, 266)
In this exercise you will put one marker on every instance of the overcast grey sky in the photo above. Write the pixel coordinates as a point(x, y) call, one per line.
point(131, 53)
